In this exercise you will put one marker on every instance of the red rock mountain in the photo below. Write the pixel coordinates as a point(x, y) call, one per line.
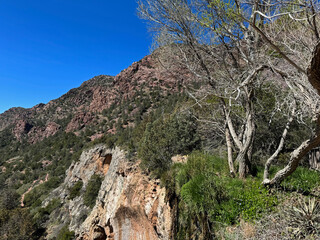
point(83, 106)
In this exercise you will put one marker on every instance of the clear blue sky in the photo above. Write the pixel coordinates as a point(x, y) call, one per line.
point(48, 47)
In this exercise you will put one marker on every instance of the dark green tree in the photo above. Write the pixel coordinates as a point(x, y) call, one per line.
point(165, 137)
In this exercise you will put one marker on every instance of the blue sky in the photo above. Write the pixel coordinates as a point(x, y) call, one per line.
point(48, 47)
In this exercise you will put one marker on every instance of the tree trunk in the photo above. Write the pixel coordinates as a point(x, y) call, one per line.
point(295, 158)
point(280, 147)
point(313, 73)
point(241, 158)
point(248, 138)
point(229, 148)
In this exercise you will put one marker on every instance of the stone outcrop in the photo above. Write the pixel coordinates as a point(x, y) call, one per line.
point(129, 206)
point(22, 127)
point(79, 121)
point(37, 134)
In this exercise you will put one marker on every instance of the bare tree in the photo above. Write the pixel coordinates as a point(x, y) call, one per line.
point(234, 47)
point(220, 50)
point(292, 32)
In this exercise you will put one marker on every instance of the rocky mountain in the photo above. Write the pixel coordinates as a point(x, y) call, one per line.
point(82, 106)
point(53, 154)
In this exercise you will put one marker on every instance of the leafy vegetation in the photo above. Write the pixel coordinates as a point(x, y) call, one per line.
point(75, 190)
point(92, 190)
point(65, 234)
point(303, 180)
point(208, 195)
point(35, 197)
point(166, 137)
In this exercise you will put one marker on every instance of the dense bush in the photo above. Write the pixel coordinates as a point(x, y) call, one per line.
point(206, 195)
point(65, 234)
point(302, 180)
point(9, 199)
point(92, 190)
point(75, 190)
point(17, 224)
point(38, 193)
point(248, 200)
point(166, 137)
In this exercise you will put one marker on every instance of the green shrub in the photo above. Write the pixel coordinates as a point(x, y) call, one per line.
point(92, 190)
point(9, 199)
point(35, 197)
point(206, 194)
point(200, 192)
point(17, 224)
point(166, 137)
point(53, 204)
point(302, 180)
point(75, 191)
point(41, 215)
point(65, 234)
point(248, 200)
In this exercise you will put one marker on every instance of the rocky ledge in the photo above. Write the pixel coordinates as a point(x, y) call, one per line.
point(130, 205)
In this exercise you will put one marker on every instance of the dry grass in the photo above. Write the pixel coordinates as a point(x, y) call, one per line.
point(248, 230)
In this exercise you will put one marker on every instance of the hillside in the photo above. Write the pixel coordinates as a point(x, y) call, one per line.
point(146, 155)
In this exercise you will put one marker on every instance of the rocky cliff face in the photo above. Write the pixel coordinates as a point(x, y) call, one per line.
point(130, 205)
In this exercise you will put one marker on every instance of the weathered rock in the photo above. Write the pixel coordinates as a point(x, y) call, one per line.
point(22, 127)
point(79, 121)
point(37, 134)
point(130, 205)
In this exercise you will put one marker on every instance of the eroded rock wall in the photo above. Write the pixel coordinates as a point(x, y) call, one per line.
point(130, 205)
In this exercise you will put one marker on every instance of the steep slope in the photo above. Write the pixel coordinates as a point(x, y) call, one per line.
point(39, 144)
point(129, 205)
point(100, 106)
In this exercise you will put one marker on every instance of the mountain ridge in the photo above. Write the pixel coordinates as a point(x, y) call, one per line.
point(84, 103)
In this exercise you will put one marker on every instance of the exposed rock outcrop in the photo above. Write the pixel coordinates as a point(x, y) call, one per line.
point(37, 134)
point(129, 205)
point(22, 127)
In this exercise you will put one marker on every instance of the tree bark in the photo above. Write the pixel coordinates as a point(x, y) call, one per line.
point(280, 147)
point(295, 158)
point(229, 148)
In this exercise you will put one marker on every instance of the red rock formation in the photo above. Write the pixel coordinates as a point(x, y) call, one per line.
point(79, 121)
point(37, 134)
point(22, 127)
point(85, 103)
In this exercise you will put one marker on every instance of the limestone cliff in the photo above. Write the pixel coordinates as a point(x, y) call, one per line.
point(130, 205)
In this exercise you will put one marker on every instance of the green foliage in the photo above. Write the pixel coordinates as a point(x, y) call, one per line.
point(65, 234)
point(9, 199)
point(92, 190)
point(38, 193)
point(17, 224)
point(200, 192)
point(166, 137)
point(302, 180)
point(52, 205)
point(75, 190)
point(207, 195)
point(248, 200)
point(41, 215)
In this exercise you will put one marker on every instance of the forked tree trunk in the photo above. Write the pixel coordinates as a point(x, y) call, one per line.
point(279, 149)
